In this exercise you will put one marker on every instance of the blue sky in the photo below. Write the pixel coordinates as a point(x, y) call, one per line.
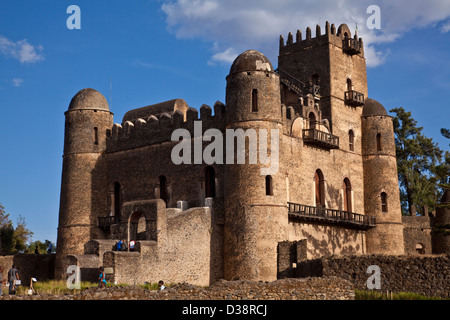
point(154, 50)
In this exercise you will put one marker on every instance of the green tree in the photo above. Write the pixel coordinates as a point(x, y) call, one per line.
point(418, 160)
point(445, 167)
point(14, 240)
point(6, 231)
point(21, 236)
point(42, 247)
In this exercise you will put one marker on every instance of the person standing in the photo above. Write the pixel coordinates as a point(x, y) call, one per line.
point(102, 278)
point(13, 276)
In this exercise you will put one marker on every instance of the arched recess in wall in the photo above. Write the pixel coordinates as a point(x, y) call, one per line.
point(210, 182)
point(384, 202)
point(163, 194)
point(312, 120)
point(379, 142)
point(351, 140)
point(137, 227)
point(347, 192)
point(115, 199)
point(319, 187)
point(349, 85)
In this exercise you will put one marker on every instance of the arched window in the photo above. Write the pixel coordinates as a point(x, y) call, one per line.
point(315, 79)
point(319, 184)
point(312, 120)
point(269, 186)
point(379, 144)
point(163, 188)
point(351, 140)
point(347, 191)
point(420, 248)
point(115, 201)
point(384, 204)
point(210, 182)
point(349, 85)
point(255, 100)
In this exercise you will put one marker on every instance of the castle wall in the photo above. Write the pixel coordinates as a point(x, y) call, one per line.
point(417, 235)
point(424, 275)
point(326, 241)
point(191, 252)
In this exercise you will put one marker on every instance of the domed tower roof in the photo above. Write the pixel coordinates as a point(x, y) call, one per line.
point(89, 99)
point(373, 108)
point(251, 60)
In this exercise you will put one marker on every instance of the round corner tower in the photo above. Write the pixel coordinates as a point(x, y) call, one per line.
point(255, 201)
point(381, 190)
point(86, 123)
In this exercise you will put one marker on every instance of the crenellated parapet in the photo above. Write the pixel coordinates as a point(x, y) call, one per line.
point(341, 37)
point(158, 128)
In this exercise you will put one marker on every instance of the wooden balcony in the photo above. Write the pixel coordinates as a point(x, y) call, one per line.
point(354, 98)
point(351, 46)
point(305, 213)
point(320, 139)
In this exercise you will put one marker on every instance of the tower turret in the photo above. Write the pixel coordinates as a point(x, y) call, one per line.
point(381, 191)
point(87, 121)
point(255, 201)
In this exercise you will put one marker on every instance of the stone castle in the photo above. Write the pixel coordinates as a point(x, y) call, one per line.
point(335, 193)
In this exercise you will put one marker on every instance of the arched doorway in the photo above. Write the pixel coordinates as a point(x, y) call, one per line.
point(347, 191)
point(312, 120)
point(137, 227)
point(319, 183)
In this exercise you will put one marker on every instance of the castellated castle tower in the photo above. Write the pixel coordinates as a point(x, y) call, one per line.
point(308, 171)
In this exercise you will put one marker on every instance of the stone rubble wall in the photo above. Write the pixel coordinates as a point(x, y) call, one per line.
point(330, 288)
point(426, 275)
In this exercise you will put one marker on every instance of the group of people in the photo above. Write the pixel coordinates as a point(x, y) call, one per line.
point(13, 279)
point(121, 245)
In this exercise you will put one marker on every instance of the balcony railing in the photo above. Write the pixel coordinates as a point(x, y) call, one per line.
point(106, 222)
point(320, 139)
point(354, 98)
point(330, 216)
point(351, 46)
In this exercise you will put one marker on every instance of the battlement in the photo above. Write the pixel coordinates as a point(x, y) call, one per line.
point(341, 37)
point(157, 129)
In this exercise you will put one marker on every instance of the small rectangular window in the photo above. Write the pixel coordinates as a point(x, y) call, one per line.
point(269, 187)
point(379, 145)
point(255, 100)
point(96, 136)
point(384, 204)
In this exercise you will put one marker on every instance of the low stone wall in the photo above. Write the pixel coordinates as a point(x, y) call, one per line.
point(427, 275)
point(39, 266)
point(331, 288)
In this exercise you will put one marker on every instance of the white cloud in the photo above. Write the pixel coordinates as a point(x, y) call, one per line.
point(236, 25)
point(446, 27)
point(21, 50)
point(223, 56)
point(17, 82)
